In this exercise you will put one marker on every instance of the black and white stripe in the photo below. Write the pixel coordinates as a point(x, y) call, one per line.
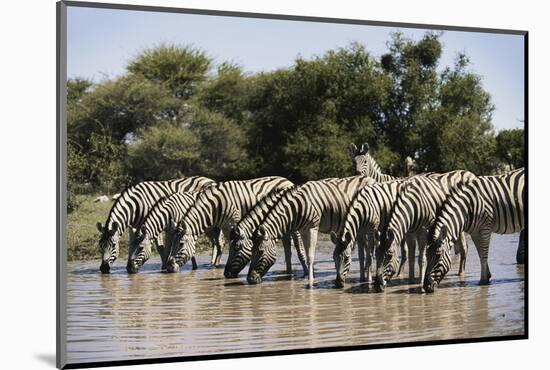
point(220, 206)
point(163, 217)
point(486, 205)
point(414, 211)
point(130, 209)
point(364, 164)
point(368, 214)
point(313, 207)
point(240, 247)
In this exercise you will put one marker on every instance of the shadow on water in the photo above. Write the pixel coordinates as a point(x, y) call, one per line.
point(196, 312)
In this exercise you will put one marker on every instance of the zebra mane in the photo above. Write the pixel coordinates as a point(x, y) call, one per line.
point(118, 203)
point(274, 197)
point(454, 193)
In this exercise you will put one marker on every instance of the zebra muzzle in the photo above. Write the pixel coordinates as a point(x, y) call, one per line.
point(379, 283)
point(172, 265)
point(254, 278)
point(339, 282)
point(132, 267)
point(105, 267)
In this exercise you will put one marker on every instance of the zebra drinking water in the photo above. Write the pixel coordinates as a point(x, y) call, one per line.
point(164, 216)
point(220, 206)
point(367, 215)
point(313, 207)
point(130, 209)
point(240, 247)
point(486, 205)
point(415, 211)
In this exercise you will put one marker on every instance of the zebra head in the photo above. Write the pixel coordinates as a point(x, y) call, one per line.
point(108, 246)
point(183, 247)
point(439, 259)
point(264, 254)
point(341, 256)
point(360, 158)
point(387, 263)
point(141, 251)
point(240, 251)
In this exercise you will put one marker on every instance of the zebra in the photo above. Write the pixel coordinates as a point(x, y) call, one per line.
point(313, 207)
point(364, 164)
point(219, 206)
point(414, 212)
point(130, 209)
point(486, 205)
point(367, 215)
point(164, 216)
point(240, 247)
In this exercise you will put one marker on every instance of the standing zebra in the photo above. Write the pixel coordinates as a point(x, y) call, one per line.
point(313, 207)
point(486, 205)
point(219, 206)
point(130, 209)
point(364, 164)
point(368, 214)
point(415, 211)
point(164, 216)
point(240, 247)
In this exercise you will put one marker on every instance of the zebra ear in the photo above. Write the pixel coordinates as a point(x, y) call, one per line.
point(99, 227)
point(347, 237)
point(364, 148)
point(143, 230)
point(376, 235)
point(115, 228)
point(443, 233)
point(389, 236)
point(262, 233)
point(352, 149)
point(334, 237)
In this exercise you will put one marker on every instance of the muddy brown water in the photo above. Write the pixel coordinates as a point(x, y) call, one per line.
point(154, 314)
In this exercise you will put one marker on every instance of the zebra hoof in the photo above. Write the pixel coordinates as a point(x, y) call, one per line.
point(339, 283)
point(484, 282)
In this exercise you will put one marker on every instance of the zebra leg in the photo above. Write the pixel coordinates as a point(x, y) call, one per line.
point(404, 257)
point(163, 245)
point(222, 237)
point(520, 254)
point(299, 245)
point(369, 251)
point(361, 252)
point(422, 258)
point(482, 239)
point(131, 238)
point(288, 255)
point(462, 246)
point(311, 241)
point(411, 244)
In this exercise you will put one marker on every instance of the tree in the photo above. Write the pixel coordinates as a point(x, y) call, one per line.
point(162, 152)
point(180, 68)
point(303, 116)
point(510, 147)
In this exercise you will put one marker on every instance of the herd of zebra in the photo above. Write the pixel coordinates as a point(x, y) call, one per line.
point(375, 213)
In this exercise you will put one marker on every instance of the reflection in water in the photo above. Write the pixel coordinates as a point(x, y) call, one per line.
point(154, 314)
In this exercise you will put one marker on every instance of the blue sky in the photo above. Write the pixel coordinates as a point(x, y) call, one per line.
point(102, 41)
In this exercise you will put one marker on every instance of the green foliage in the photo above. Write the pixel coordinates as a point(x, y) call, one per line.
point(510, 147)
point(163, 152)
point(174, 113)
point(181, 69)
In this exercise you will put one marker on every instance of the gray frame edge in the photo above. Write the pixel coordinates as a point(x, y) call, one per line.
point(287, 17)
point(61, 191)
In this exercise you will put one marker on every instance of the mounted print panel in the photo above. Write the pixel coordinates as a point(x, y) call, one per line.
point(235, 184)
